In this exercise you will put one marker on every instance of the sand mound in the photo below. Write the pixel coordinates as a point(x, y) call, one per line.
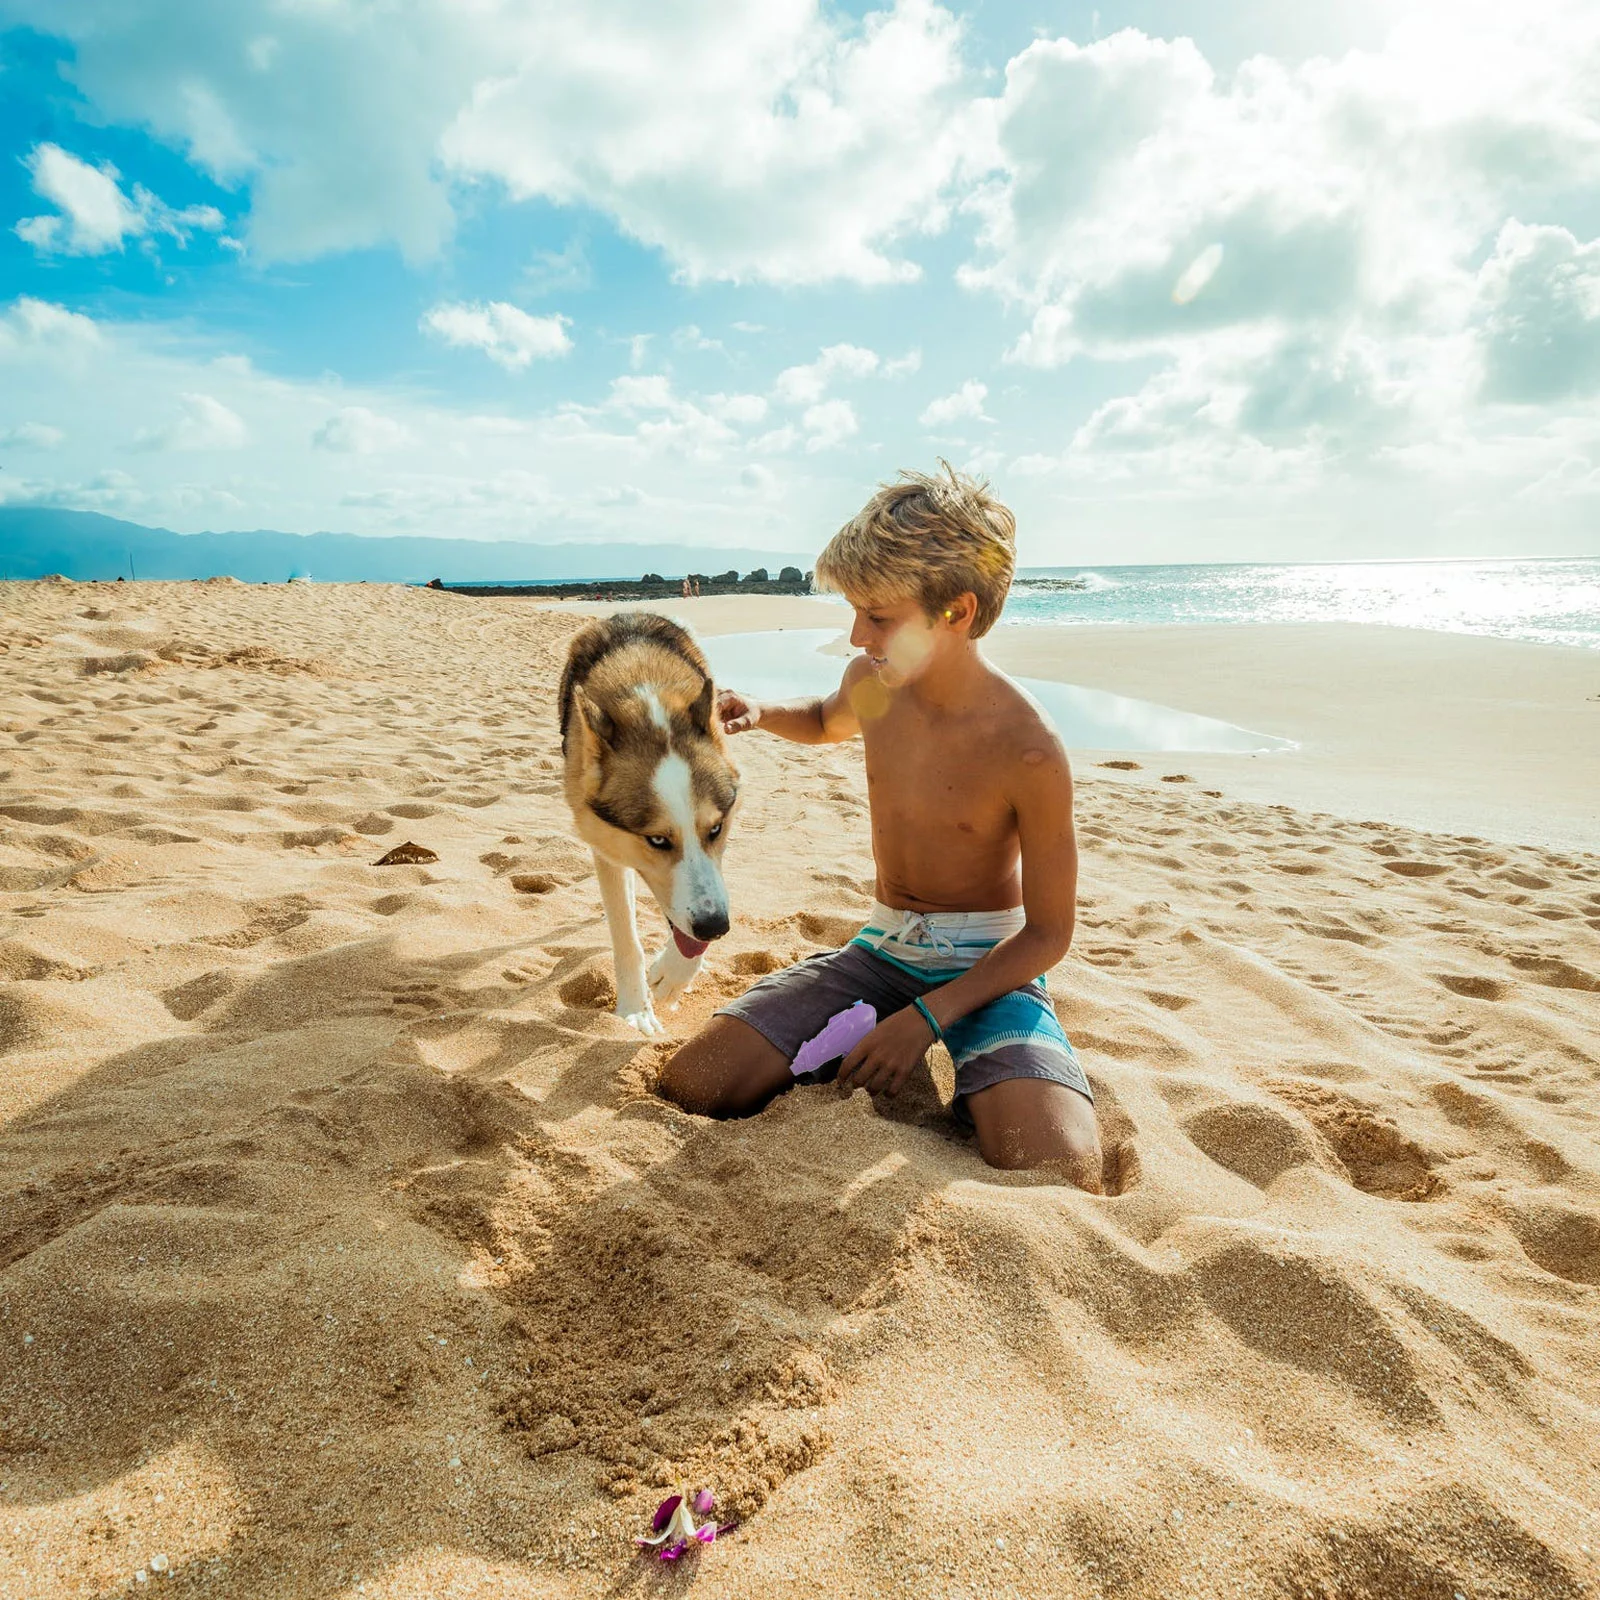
point(344, 1248)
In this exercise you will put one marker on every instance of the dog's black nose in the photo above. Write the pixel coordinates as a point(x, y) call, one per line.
point(712, 926)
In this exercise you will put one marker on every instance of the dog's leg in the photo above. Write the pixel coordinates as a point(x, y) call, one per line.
point(633, 990)
point(671, 973)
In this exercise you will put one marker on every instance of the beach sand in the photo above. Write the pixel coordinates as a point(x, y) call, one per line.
point(346, 1250)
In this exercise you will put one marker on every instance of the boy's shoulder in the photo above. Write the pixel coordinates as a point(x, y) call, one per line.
point(1023, 727)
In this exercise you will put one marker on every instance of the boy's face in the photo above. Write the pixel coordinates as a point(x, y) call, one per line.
point(897, 637)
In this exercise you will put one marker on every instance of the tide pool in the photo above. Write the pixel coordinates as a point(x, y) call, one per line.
point(790, 662)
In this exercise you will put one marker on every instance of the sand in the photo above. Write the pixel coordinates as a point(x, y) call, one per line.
point(346, 1250)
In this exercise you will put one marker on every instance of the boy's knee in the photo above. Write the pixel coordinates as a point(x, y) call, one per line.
point(1073, 1148)
point(728, 1070)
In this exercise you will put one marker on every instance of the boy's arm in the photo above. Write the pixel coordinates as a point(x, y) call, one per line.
point(829, 719)
point(1042, 800)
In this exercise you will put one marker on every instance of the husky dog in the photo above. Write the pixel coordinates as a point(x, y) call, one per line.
point(652, 790)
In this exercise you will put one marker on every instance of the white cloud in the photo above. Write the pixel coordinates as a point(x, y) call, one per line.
point(1538, 304)
point(966, 402)
point(829, 423)
point(1140, 201)
point(784, 142)
point(30, 326)
point(1322, 260)
point(691, 337)
point(743, 410)
point(558, 271)
point(32, 436)
point(330, 114)
point(539, 474)
point(93, 215)
point(662, 422)
point(778, 142)
point(356, 430)
point(508, 336)
point(808, 383)
point(203, 423)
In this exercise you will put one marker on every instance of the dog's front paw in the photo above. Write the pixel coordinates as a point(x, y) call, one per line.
point(643, 1020)
point(671, 973)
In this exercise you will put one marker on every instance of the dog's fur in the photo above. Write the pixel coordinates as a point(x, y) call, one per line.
point(646, 758)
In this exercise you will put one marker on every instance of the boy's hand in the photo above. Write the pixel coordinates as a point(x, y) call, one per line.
point(738, 714)
point(882, 1062)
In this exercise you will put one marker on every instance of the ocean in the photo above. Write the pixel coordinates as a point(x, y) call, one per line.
point(1545, 601)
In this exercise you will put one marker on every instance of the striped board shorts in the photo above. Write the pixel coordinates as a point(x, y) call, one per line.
point(899, 956)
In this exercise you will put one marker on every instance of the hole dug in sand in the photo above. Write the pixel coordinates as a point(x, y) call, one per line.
point(685, 1319)
point(1377, 1155)
point(535, 882)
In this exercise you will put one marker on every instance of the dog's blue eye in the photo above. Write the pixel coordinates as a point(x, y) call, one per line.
point(714, 832)
point(658, 841)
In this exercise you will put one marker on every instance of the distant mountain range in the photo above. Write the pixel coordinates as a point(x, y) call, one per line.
point(35, 541)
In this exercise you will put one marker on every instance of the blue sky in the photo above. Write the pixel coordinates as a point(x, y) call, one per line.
point(1187, 281)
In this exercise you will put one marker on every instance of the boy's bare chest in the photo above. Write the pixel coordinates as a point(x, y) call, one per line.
point(937, 776)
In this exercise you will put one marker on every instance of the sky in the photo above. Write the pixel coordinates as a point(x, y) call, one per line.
point(1188, 280)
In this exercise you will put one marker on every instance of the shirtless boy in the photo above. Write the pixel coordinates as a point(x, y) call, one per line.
point(977, 864)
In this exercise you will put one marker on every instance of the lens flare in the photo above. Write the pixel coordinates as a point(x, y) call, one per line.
point(908, 649)
point(1197, 275)
point(868, 699)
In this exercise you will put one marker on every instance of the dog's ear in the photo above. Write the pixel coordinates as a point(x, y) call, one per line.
point(700, 711)
point(597, 722)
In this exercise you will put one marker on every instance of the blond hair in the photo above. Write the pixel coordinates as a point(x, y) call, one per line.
point(928, 537)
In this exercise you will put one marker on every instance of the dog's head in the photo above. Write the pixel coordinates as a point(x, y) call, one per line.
point(657, 792)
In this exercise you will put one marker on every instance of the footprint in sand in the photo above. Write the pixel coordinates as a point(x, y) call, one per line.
point(824, 929)
point(1562, 1239)
point(1554, 973)
point(1258, 1142)
point(1379, 1158)
point(535, 882)
point(1474, 988)
point(1122, 766)
point(756, 963)
point(1416, 869)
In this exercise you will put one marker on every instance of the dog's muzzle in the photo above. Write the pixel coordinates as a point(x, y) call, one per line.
point(706, 928)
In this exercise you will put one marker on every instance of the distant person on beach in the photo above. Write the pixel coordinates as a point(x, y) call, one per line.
point(972, 835)
point(697, 588)
point(685, 588)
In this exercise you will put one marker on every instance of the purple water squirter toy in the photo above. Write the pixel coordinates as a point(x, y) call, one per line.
point(844, 1031)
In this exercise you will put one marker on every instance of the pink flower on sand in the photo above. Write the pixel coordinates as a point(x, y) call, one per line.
point(673, 1529)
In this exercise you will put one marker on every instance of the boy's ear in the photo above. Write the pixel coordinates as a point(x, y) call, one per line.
point(961, 610)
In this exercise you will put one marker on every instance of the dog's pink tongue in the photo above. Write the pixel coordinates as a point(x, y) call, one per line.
point(688, 948)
